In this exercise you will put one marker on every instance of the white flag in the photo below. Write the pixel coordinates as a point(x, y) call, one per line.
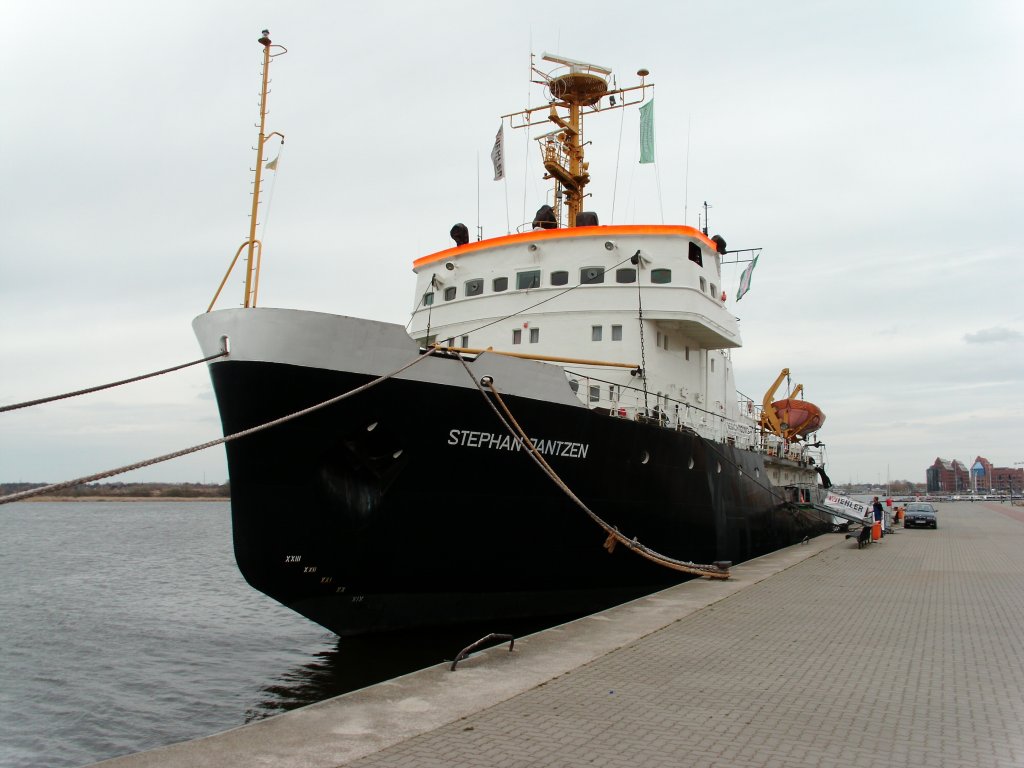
point(498, 154)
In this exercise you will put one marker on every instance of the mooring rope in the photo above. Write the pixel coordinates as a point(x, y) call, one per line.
point(66, 395)
point(195, 448)
point(614, 535)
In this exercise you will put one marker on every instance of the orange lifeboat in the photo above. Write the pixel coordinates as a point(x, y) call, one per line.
point(799, 418)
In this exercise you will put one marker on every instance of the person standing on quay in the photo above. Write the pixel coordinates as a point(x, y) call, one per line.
point(876, 508)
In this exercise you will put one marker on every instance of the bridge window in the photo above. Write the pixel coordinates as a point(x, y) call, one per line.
point(428, 299)
point(661, 276)
point(596, 332)
point(534, 335)
point(695, 255)
point(517, 336)
point(465, 341)
point(625, 275)
point(703, 285)
point(714, 291)
point(591, 275)
point(595, 393)
point(560, 278)
point(526, 280)
point(616, 333)
point(475, 287)
point(499, 284)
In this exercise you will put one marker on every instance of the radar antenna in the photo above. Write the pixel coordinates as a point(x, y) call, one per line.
point(575, 89)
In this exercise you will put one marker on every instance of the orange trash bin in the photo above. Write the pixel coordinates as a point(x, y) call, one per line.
point(876, 531)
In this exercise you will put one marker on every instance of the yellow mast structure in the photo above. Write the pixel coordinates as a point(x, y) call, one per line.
point(254, 246)
point(575, 89)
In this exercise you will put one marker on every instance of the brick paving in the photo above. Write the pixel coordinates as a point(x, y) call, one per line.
point(906, 653)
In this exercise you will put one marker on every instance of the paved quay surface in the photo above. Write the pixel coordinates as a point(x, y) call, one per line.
point(906, 653)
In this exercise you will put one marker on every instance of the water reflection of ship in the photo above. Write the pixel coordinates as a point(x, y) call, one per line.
point(364, 660)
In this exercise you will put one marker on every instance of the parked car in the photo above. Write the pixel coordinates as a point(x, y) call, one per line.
point(920, 514)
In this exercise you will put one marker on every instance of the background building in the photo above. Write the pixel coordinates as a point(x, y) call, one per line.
point(1008, 479)
point(945, 476)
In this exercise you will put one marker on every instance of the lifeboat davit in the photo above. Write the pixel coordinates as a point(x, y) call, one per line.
point(799, 417)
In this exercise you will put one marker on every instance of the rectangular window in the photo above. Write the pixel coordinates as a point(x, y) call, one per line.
point(712, 365)
point(534, 335)
point(611, 392)
point(616, 333)
point(658, 342)
point(475, 287)
point(665, 339)
point(714, 291)
point(526, 280)
point(465, 341)
point(703, 285)
point(595, 393)
point(517, 336)
point(449, 293)
point(687, 352)
point(625, 275)
point(591, 275)
point(695, 255)
point(595, 332)
point(560, 278)
point(661, 276)
point(428, 299)
point(499, 284)
point(451, 341)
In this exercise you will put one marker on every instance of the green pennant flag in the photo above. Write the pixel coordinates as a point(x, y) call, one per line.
point(647, 132)
point(748, 273)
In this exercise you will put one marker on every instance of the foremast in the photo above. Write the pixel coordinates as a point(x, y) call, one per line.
point(575, 89)
point(254, 247)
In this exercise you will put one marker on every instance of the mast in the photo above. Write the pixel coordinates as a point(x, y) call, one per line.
point(252, 271)
point(575, 89)
point(254, 246)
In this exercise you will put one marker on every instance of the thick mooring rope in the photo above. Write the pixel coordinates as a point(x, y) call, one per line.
point(195, 448)
point(66, 395)
point(614, 535)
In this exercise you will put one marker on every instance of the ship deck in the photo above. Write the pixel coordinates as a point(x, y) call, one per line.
point(904, 653)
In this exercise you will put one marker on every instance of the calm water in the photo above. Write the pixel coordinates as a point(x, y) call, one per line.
point(126, 626)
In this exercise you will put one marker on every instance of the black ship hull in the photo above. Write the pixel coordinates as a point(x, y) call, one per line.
point(409, 504)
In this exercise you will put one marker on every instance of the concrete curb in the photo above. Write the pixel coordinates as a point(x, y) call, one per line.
point(346, 728)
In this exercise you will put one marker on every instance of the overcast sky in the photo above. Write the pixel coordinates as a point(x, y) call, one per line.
point(872, 149)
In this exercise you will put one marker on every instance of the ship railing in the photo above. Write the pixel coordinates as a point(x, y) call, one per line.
point(629, 402)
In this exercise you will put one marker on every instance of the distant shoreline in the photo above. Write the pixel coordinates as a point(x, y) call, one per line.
point(125, 498)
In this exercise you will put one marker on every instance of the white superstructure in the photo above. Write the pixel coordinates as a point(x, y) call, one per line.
point(581, 293)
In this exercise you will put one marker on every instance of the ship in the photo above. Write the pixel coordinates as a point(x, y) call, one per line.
point(556, 430)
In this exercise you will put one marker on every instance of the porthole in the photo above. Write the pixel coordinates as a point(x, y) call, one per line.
point(644, 457)
point(718, 468)
point(591, 275)
point(372, 427)
point(690, 465)
point(561, 277)
point(396, 454)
